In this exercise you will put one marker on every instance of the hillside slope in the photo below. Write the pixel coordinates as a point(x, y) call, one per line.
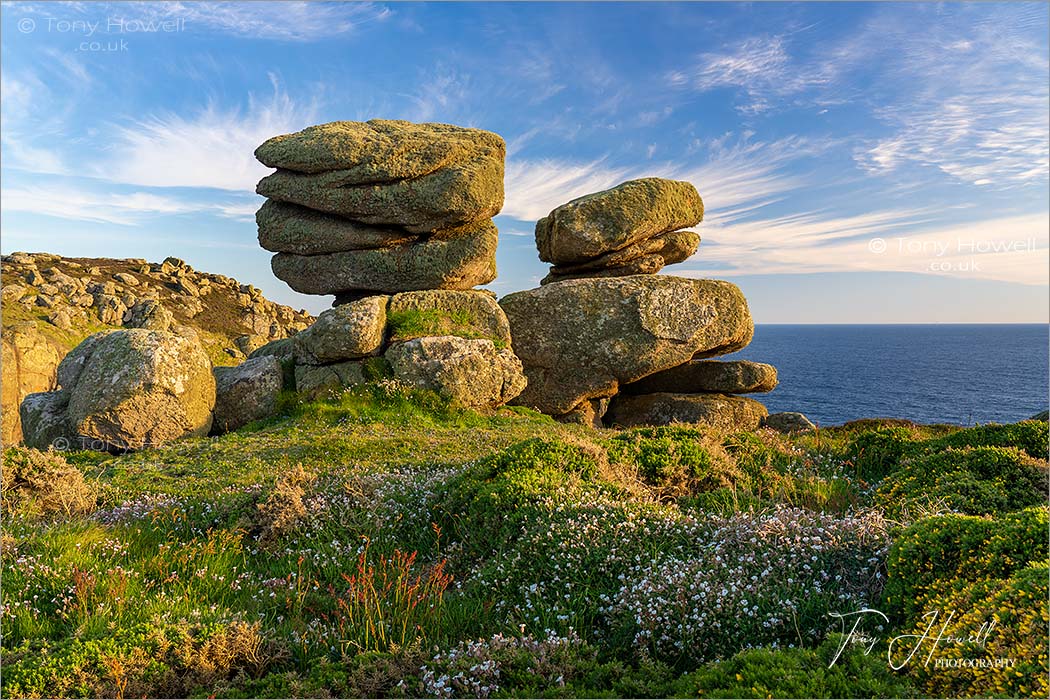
point(51, 303)
point(384, 544)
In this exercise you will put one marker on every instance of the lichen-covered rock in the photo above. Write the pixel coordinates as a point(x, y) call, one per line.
point(149, 314)
point(607, 221)
point(45, 421)
point(470, 371)
point(587, 413)
point(290, 228)
point(284, 350)
point(246, 393)
point(788, 422)
point(421, 177)
point(467, 313)
point(29, 364)
point(712, 376)
point(464, 260)
point(719, 412)
point(648, 256)
point(379, 150)
point(316, 380)
point(135, 388)
point(581, 339)
point(346, 332)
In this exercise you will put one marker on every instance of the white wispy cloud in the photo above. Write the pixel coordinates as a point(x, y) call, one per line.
point(79, 203)
point(213, 148)
point(534, 187)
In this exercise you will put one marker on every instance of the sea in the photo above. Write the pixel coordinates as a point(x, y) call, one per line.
point(943, 373)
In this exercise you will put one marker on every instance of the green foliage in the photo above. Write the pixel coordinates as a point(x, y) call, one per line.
point(974, 481)
point(43, 483)
point(799, 673)
point(1030, 436)
point(419, 323)
point(946, 552)
point(877, 453)
point(675, 460)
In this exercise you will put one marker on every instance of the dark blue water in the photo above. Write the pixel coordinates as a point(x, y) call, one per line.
point(962, 374)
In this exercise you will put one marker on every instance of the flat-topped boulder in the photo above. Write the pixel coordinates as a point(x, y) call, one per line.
point(463, 259)
point(380, 150)
point(581, 339)
point(601, 223)
point(720, 412)
point(712, 376)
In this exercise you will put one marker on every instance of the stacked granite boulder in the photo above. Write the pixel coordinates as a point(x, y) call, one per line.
point(358, 208)
point(395, 219)
point(603, 325)
point(633, 228)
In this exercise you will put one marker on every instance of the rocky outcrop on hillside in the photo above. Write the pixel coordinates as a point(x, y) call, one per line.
point(359, 208)
point(52, 303)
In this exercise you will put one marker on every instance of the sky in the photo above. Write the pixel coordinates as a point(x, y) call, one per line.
point(859, 163)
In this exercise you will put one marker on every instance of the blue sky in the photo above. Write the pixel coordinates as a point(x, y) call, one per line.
point(865, 163)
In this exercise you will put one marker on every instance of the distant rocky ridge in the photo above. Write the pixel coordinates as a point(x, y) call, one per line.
point(51, 303)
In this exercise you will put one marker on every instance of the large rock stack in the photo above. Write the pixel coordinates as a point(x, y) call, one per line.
point(395, 219)
point(359, 208)
point(618, 328)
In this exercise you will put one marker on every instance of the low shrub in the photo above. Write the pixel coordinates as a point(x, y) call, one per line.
point(674, 461)
point(1033, 437)
point(877, 453)
point(944, 553)
point(1001, 625)
point(39, 483)
point(974, 481)
point(799, 673)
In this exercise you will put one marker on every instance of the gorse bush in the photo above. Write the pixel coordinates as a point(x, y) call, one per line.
point(42, 483)
point(944, 552)
point(675, 461)
point(876, 453)
point(799, 673)
point(974, 481)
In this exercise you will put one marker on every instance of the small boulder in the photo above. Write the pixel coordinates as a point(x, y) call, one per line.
point(471, 372)
point(346, 332)
point(712, 376)
point(317, 380)
point(45, 421)
point(788, 422)
point(246, 393)
point(149, 314)
point(465, 313)
point(720, 412)
point(29, 364)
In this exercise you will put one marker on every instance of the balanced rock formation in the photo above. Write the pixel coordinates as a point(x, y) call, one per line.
point(633, 228)
point(579, 340)
point(359, 208)
point(604, 341)
point(125, 389)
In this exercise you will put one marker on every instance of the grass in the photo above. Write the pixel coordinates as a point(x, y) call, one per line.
point(417, 323)
point(383, 542)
